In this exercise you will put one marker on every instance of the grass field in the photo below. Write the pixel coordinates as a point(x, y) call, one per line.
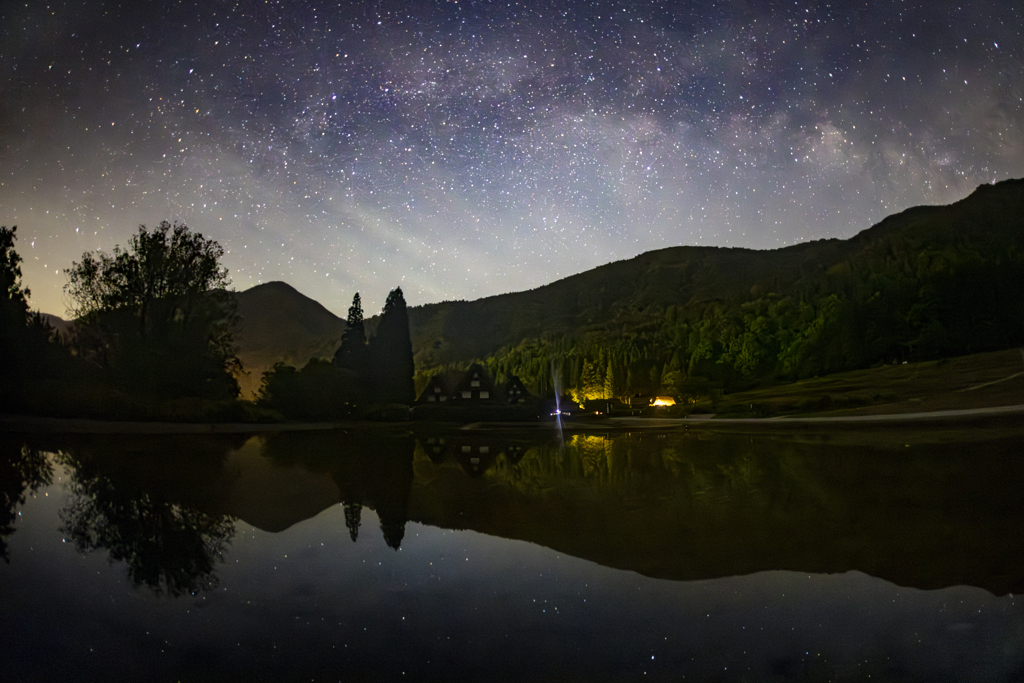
point(978, 381)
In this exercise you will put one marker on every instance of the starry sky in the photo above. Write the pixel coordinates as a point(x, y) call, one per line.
point(464, 149)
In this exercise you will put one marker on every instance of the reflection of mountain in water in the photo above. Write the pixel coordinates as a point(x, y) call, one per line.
point(368, 468)
point(688, 507)
point(166, 506)
point(671, 506)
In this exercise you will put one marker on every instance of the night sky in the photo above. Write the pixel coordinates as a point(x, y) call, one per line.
point(462, 149)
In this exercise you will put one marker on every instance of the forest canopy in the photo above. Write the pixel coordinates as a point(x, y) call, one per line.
point(927, 283)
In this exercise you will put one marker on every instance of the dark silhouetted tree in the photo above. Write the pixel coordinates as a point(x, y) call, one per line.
point(157, 314)
point(25, 337)
point(391, 358)
point(353, 354)
point(320, 391)
point(13, 319)
point(13, 297)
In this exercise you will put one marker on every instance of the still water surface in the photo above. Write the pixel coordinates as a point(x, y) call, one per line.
point(512, 556)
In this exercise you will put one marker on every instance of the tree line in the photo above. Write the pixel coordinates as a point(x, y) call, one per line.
point(154, 326)
point(903, 298)
point(153, 338)
point(152, 333)
point(365, 371)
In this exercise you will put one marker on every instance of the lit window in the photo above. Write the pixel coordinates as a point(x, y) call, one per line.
point(467, 394)
point(485, 394)
point(475, 383)
point(484, 450)
point(466, 449)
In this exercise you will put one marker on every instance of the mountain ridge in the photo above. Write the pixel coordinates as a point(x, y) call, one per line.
point(686, 275)
point(638, 299)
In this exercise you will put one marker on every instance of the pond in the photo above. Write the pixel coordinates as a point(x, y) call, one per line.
point(440, 555)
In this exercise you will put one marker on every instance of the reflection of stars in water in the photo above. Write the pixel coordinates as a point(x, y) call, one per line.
point(467, 149)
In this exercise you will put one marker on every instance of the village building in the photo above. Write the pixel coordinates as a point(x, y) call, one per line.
point(514, 391)
point(475, 390)
point(439, 389)
point(476, 385)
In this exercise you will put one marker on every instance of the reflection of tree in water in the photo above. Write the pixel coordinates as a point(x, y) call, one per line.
point(377, 472)
point(594, 454)
point(23, 470)
point(394, 531)
point(353, 515)
point(371, 469)
point(169, 546)
point(648, 466)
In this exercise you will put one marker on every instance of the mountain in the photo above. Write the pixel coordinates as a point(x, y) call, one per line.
point(929, 282)
point(65, 329)
point(617, 295)
point(280, 324)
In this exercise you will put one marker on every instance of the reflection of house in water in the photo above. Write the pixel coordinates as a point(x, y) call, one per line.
point(436, 447)
point(474, 452)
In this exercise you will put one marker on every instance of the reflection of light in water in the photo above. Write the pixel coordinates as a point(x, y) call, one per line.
point(663, 401)
point(593, 452)
point(556, 382)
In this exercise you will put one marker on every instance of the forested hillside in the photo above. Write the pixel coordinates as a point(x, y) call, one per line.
point(928, 282)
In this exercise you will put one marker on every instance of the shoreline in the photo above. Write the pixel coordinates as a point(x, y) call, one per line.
point(56, 425)
point(955, 416)
point(62, 425)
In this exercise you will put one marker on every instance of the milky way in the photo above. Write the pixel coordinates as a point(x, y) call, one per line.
point(462, 149)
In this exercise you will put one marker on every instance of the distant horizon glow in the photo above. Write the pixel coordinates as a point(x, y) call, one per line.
point(462, 150)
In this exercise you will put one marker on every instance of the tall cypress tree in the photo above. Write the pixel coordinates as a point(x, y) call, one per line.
point(353, 354)
point(391, 353)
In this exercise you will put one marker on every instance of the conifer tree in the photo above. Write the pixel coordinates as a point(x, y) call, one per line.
point(671, 377)
point(391, 353)
point(655, 377)
point(353, 354)
point(610, 381)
